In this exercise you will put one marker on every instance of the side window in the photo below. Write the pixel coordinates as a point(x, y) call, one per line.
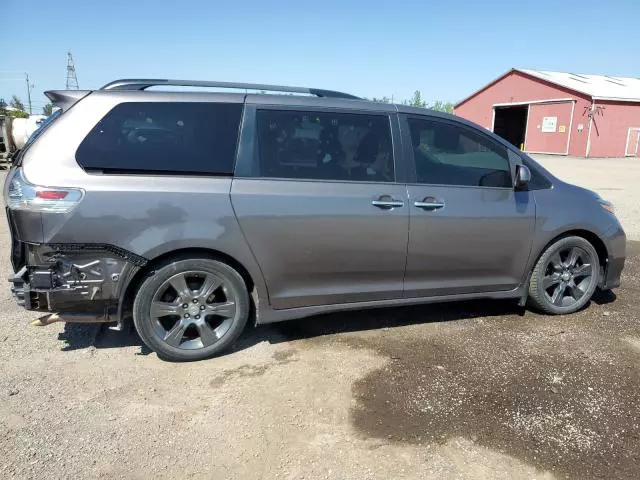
point(324, 146)
point(450, 154)
point(171, 137)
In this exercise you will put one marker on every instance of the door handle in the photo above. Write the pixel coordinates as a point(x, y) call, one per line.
point(387, 204)
point(429, 203)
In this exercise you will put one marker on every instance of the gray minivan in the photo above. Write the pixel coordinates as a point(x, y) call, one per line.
point(194, 211)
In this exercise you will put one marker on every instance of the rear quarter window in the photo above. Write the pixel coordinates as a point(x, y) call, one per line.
point(164, 137)
point(42, 126)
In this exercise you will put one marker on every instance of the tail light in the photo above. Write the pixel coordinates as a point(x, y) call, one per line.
point(22, 195)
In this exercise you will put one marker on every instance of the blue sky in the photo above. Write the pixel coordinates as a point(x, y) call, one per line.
point(445, 48)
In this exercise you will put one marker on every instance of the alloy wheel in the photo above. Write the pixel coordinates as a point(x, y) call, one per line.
point(193, 310)
point(569, 274)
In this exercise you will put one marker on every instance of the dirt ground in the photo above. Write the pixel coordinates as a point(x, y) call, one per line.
point(480, 390)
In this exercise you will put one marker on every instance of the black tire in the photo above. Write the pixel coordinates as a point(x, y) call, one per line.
point(546, 291)
point(177, 338)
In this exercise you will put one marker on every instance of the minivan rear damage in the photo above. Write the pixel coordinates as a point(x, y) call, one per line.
point(85, 281)
point(81, 279)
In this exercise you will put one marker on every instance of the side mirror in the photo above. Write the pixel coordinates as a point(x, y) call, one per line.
point(523, 176)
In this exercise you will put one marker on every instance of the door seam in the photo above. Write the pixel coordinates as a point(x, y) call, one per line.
point(406, 253)
point(246, 241)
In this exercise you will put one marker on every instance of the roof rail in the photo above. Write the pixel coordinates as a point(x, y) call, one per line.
point(144, 83)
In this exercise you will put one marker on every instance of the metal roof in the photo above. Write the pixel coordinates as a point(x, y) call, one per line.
point(599, 87)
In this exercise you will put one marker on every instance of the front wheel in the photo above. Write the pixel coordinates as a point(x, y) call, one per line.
point(565, 276)
point(191, 309)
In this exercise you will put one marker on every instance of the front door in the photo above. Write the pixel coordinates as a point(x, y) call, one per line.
point(470, 231)
point(320, 208)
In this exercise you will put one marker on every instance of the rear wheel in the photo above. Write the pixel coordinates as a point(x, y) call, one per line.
point(565, 276)
point(191, 309)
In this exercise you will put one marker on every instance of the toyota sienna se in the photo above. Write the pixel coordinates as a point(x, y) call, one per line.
point(194, 211)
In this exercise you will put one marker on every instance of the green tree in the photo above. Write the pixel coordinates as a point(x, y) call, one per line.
point(384, 99)
point(441, 106)
point(17, 108)
point(17, 104)
point(3, 107)
point(416, 100)
point(18, 114)
point(47, 109)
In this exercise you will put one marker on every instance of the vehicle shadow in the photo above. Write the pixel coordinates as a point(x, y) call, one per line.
point(78, 336)
point(374, 319)
point(99, 336)
point(603, 297)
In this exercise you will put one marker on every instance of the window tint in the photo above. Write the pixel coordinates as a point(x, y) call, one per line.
point(450, 154)
point(324, 146)
point(164, 137)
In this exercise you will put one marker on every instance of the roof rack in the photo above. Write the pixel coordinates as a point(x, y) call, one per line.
point(144, 83)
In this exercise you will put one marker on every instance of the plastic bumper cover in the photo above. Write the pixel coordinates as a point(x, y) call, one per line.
point(616, 242)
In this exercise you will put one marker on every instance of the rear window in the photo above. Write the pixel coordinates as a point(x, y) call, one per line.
point(172, 137)
point(42, 126)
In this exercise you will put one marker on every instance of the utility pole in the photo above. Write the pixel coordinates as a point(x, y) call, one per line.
point(29, 87)
point(72, 80)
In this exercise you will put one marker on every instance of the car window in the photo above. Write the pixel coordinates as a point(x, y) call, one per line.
point(42, 126)
point(174, 137)
point(449, 154)
point(324, 146)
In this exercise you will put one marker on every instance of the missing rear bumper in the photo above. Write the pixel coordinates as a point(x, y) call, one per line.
point(83, 284)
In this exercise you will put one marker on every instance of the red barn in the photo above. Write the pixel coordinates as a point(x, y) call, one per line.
point(560, 113)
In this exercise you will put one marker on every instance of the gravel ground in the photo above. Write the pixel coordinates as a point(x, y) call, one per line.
point(470, 390)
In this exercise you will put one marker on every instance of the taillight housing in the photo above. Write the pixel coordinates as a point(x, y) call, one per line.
point(22, 195)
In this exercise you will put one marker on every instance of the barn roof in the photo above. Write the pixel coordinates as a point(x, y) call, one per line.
point(598, 87)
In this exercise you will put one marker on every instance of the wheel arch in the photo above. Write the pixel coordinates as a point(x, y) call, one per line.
point(588, 235)
point(128, 291)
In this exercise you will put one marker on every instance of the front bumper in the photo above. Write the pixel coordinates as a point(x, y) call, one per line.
point(616, 243)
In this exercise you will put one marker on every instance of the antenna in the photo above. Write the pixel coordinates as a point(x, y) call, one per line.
point(72, 80)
